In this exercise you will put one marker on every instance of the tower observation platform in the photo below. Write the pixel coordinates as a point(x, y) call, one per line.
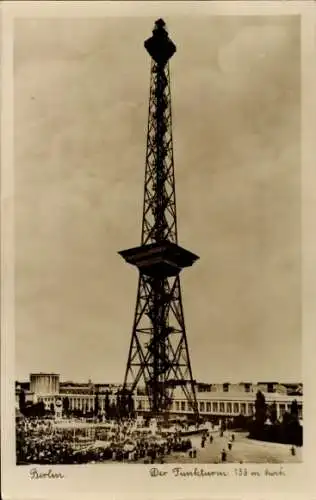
point(158, 357)
point(159, 259)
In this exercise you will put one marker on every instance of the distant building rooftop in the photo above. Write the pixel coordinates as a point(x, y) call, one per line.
point(44, 373)
point(245, 396)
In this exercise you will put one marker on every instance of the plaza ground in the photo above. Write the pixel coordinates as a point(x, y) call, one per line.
point(243, 450)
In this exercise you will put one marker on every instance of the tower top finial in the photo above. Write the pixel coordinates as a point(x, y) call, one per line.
point(160, 24)
point(159, 46)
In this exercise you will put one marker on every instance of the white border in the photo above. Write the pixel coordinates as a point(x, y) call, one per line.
point(133, 480)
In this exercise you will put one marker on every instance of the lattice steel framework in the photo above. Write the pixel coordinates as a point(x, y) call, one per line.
point(158, 358)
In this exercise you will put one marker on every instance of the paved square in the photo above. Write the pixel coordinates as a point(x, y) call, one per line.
point(243, 450)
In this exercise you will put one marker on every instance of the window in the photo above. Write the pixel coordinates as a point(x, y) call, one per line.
point(215, 407)
point(247, 387)
point(229, 408)
point(204, 387)
point(202, 406)
point(221, 407)
point(226, 387)
point(282, 409)
point(243, 408)
point(208, 407)
point(183, 405)
point(236, 407)
point(177, 405)
point(250, 408)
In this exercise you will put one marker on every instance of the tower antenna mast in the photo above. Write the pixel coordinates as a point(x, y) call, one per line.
point(158, 358)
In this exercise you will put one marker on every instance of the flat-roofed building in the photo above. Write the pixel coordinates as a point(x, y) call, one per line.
point(226, 404)
point(44, 383)
point(214, 400)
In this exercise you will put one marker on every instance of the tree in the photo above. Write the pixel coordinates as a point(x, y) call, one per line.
point(260, 409)
point(273, 413)
point(66, 405)
point(113, 410)
point(40, 409)
point(257, 427)
point(240, 422)
point(119, 403)
point(292, 427)
point(286, 418)
point(22, 401)
point(130, 404)
point(123, 403)
point(294, 410)
point(96, 404)
point(107, 404)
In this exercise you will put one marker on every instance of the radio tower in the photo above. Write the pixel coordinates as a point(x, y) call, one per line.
point(158, 358)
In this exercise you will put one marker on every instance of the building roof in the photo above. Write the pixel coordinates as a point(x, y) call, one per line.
point(44, 373)
point(240, 396)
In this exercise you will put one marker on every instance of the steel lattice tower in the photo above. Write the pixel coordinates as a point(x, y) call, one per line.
point(158, 357)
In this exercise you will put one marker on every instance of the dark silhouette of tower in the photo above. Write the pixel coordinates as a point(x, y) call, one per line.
point(158, 357)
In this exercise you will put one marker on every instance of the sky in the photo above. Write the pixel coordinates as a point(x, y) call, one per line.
point(81, 101)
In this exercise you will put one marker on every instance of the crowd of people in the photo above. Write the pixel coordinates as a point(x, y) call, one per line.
point(40, 441)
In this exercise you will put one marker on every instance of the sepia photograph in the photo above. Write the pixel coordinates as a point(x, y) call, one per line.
point(157, 166)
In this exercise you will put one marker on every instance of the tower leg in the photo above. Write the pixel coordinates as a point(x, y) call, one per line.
point(158, 356)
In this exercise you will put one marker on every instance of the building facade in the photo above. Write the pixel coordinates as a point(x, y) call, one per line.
point(214, 400)
point(44, 383)
point(228, 404)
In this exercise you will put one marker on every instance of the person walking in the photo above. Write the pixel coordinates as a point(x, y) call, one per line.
point(223, 456)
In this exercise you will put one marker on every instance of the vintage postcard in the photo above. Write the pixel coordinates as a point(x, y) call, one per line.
point(158, 281)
